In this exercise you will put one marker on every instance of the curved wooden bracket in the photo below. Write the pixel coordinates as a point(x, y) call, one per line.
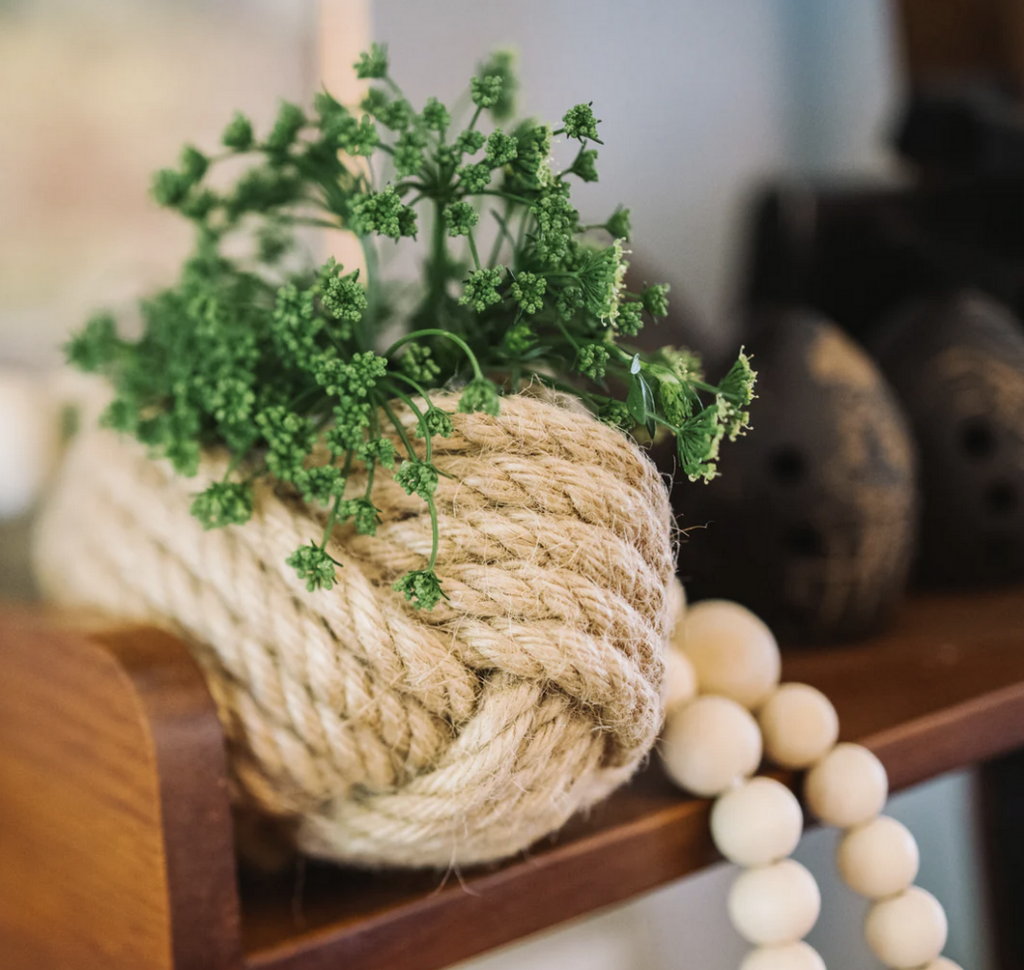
point(115, 827)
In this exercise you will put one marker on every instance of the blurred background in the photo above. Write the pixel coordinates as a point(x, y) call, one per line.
point(742, 134)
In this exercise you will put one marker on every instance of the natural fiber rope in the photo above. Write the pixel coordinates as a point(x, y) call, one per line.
point(387, 735)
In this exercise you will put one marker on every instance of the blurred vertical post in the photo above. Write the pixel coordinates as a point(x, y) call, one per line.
point(344, 32)
point(843, 83)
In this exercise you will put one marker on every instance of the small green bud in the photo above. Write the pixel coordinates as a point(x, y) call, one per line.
point(223, 503)
point(616, 414)
point(363, 513)
point(480, 394)
point(435, 115)
point(417, 362)
point(618, 224)
point(502, 64)
point(482, 289)
point(417, 478)
point(485, 91)
point(629, 321)
point(238, 134)
point(475, 178)
point(584, 167)
point(655, 299)
point(528, 291)
point(409, 155)
point(193, 163)
point(520, 339)
point(384, 214)
point(290, 120)
point(438, 423)
point(501, 148)
point(580, 122)
point(372, 64)
point(94, 346)
point(470, 141)
point(422, 587)
point(592, 360)
point(396, 115)
point(314, 565)
point(170, 188)
point(460, 217)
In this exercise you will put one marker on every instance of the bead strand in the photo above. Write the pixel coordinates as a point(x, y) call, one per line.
point(727, 664)
point(724, 667)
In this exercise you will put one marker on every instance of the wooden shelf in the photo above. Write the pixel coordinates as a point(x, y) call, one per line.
point(115, 838)
point(943, 689)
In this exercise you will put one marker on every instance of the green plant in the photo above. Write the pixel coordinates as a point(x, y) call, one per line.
point(268, 358)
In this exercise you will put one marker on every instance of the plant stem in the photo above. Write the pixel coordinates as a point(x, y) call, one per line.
point(330, 522)
point(568, 336)
point(372, 292)
point(503, 234)
point(438, 256)
point(402, 396)
point(434, 533)
point(400, 428)
point(472, 248)
point(337, 500)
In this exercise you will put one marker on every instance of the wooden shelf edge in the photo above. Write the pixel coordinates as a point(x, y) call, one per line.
point(666, 837)
point(111, 739)
point(634, 858)
point(960, 736)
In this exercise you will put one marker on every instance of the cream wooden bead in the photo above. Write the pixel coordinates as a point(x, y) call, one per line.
point(680, 681)
point(774, 904)
point(734, 653)
point(908, 930)
point(789, 956)
point(711, 745)
point(757, 823)
point(847, 787)
point(675, 606)
point(799, 724)
point(878, 859)
point(943, 963)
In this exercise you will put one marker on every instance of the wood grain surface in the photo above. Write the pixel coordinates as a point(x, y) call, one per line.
point(115, 838)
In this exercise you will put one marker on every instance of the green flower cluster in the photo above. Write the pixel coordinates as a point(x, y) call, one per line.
point(282, 363)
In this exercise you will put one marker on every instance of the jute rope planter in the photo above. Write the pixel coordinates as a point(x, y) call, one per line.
point(380, 734)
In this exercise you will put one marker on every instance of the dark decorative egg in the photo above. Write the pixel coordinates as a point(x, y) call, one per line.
point(812, 521)
point(957, 362)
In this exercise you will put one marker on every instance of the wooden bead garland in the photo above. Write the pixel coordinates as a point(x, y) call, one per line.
point(680, 681)
point(757, 823)
point(789, 956)
point(846, 787)
point(711, 747)
point(774, 904)
point(733, 652)
point(878, 859)
point(908, 930)
point(799, 725)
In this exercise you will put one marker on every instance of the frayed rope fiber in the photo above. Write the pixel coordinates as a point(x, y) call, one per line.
point(380, 734)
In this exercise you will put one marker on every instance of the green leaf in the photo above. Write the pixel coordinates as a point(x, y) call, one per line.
point(640, 399)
